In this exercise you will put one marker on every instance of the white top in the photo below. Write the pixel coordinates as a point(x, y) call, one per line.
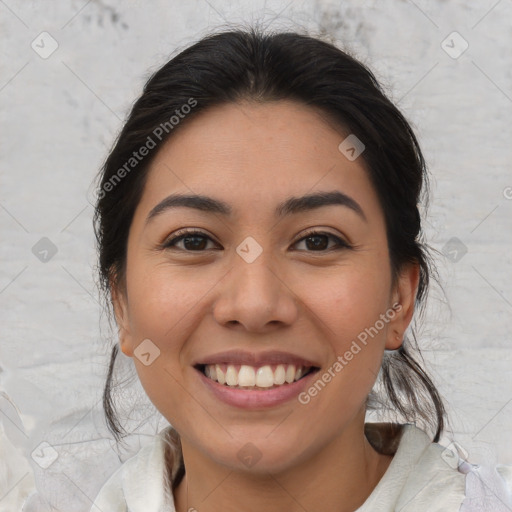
point(422, 476)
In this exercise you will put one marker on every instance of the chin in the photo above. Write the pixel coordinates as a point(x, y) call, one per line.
point(259, 457)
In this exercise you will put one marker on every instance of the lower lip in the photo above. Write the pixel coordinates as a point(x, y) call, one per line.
point(257, 399)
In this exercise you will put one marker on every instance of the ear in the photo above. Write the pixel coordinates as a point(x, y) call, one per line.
point(120, 305)
point(403, 301)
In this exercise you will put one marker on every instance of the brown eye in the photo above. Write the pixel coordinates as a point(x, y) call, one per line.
point(317, 241)
point(197, 241)
point(193, 241)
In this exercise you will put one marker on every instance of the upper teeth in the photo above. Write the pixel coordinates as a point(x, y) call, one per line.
point(249, 376)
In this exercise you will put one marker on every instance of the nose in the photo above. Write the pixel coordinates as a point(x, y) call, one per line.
point(256, 296)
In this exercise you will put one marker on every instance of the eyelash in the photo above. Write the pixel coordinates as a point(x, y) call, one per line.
point(182, 234)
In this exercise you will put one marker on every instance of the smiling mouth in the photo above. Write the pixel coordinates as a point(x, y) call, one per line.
point(256, 378)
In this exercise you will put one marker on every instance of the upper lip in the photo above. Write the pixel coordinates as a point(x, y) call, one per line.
point(255, 359)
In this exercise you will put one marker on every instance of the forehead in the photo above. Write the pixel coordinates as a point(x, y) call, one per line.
point(255, 154)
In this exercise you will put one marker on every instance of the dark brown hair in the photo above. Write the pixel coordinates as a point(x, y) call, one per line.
point(253, 65)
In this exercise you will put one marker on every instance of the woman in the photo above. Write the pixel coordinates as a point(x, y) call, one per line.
point(260, 240)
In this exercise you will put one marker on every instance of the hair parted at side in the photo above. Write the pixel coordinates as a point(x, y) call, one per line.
point(251, 64)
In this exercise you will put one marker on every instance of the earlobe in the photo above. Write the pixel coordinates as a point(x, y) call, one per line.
point(395, 334)
point(404, 297)
point(121, 316)
point(125, 348)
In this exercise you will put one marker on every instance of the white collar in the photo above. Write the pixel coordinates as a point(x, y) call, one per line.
point(418, 479)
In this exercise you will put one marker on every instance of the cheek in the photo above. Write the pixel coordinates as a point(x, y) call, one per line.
point(163, 308)
point(162, 300)
point(348, 300)
point(350, 313)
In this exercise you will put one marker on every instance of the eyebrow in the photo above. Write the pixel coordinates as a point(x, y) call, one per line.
point(291, 206)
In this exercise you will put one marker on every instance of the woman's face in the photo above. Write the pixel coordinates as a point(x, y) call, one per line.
point(255, 291)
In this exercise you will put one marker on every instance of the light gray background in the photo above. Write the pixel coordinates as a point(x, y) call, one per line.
point(59, 117)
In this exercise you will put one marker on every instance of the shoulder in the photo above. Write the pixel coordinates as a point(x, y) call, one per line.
point(139, 485)
point(433, 481)
point(426, 476)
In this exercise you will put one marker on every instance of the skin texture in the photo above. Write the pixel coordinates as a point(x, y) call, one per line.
point(293, 297)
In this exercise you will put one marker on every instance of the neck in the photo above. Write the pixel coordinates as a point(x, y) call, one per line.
point(338, 478)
